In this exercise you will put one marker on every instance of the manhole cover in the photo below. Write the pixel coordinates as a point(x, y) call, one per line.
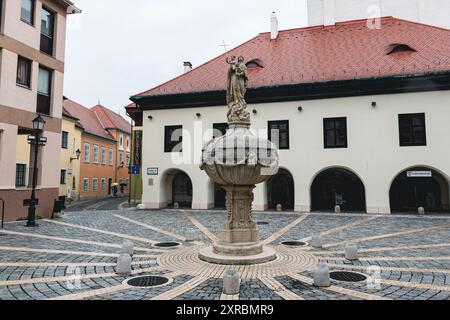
point(294, 243)
point(347, 276)
point(147, 281)
point(167, 244)
point(262, 223)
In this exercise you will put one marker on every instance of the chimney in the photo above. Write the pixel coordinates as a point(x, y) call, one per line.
point(187, 66)
point(273, 26)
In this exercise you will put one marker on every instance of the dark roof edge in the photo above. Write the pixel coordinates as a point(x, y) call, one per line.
point(304, 91)
point(99, 137)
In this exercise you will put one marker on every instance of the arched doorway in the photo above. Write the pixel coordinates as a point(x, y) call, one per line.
point(338, 186)
point(219, 197)
point(280, 190)
point(182, 190)
point(109, 186)
point(419, 187)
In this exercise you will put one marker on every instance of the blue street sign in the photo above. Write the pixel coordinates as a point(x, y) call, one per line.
point(135, 170)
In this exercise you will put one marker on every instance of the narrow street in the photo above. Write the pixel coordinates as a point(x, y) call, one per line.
point(109, 203)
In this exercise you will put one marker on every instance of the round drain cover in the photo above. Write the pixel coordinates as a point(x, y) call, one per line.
point(167, 244)
point(294, 243)
point(347, 276)
point(147, 281)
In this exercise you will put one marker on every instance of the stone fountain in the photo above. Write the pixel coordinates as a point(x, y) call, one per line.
point(238, 161)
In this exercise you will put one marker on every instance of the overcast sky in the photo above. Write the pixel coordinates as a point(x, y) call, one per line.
point(119, 48)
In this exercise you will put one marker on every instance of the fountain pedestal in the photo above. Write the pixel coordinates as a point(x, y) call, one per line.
point(237, 162)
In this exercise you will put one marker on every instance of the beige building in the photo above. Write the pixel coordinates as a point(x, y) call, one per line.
point(360, 117)
point(32, 49)
point(71, 132)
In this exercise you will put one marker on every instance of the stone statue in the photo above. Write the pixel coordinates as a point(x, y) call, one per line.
point(238, 161)
point(236, 90)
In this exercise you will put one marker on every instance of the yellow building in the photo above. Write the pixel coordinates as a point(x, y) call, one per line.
point(71, 131)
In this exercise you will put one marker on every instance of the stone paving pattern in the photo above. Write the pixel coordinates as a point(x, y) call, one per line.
point(38, 263)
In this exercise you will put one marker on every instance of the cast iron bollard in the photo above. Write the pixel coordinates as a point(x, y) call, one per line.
point(317, 242)
point(124, 265)
point(351, 252)
point(231, 283)
point(322, 275)
point(421, 211)
point(127, 248)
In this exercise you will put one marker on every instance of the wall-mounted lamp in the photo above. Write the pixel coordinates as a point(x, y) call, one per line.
point(300, 109)
point(199, 115)
point(150, 118)
point(77, 155)
point(255, 112)
point(374, 104)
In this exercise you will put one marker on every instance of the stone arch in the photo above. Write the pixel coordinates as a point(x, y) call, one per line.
point(281, 190)
point(338, 185)
point(412, 188)
point(176, 187)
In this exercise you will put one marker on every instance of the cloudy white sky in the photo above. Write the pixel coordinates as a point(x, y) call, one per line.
point(118, 48)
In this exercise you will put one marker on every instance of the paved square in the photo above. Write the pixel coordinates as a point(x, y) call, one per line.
point(75, 257)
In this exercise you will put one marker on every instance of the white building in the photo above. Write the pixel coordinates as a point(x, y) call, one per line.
point(363, 119)
point(328, 12)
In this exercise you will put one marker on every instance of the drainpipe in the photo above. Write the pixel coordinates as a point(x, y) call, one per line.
point(132, 137)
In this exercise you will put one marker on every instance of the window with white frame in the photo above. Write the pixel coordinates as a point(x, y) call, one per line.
point(128, 143)
point(120, 158)
point(121, 141)
point(103, 184)
point(95, 185)
point(95, 154)
point(87, 152)
point(85, 185)
point(111, 157)
point(103, 156)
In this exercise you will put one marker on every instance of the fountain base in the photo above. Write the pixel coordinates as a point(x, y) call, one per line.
point(240, 254)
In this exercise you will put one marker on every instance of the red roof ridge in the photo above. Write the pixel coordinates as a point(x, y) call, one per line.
point(421, 24)
point(88, 125)
point(113, 123)
point(320, 61)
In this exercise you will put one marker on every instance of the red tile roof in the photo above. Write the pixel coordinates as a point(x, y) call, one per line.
point(111, 120)
point(87, 118)
point(346, 51)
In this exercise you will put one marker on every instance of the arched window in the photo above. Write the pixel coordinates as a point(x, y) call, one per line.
point(256, 63)
point(400, 47)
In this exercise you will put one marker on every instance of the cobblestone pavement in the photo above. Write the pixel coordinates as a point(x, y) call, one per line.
point(74, 258)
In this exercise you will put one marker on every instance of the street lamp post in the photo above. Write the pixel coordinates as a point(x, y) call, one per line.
point(37, 140)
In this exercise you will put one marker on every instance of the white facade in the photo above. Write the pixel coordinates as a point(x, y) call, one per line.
point(328, 12)
point(373, 154)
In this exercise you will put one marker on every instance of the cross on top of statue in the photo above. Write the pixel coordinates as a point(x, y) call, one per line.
point(224, 45)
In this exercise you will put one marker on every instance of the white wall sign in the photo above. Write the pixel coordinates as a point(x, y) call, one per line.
point(152, 171)
point(419, 174)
